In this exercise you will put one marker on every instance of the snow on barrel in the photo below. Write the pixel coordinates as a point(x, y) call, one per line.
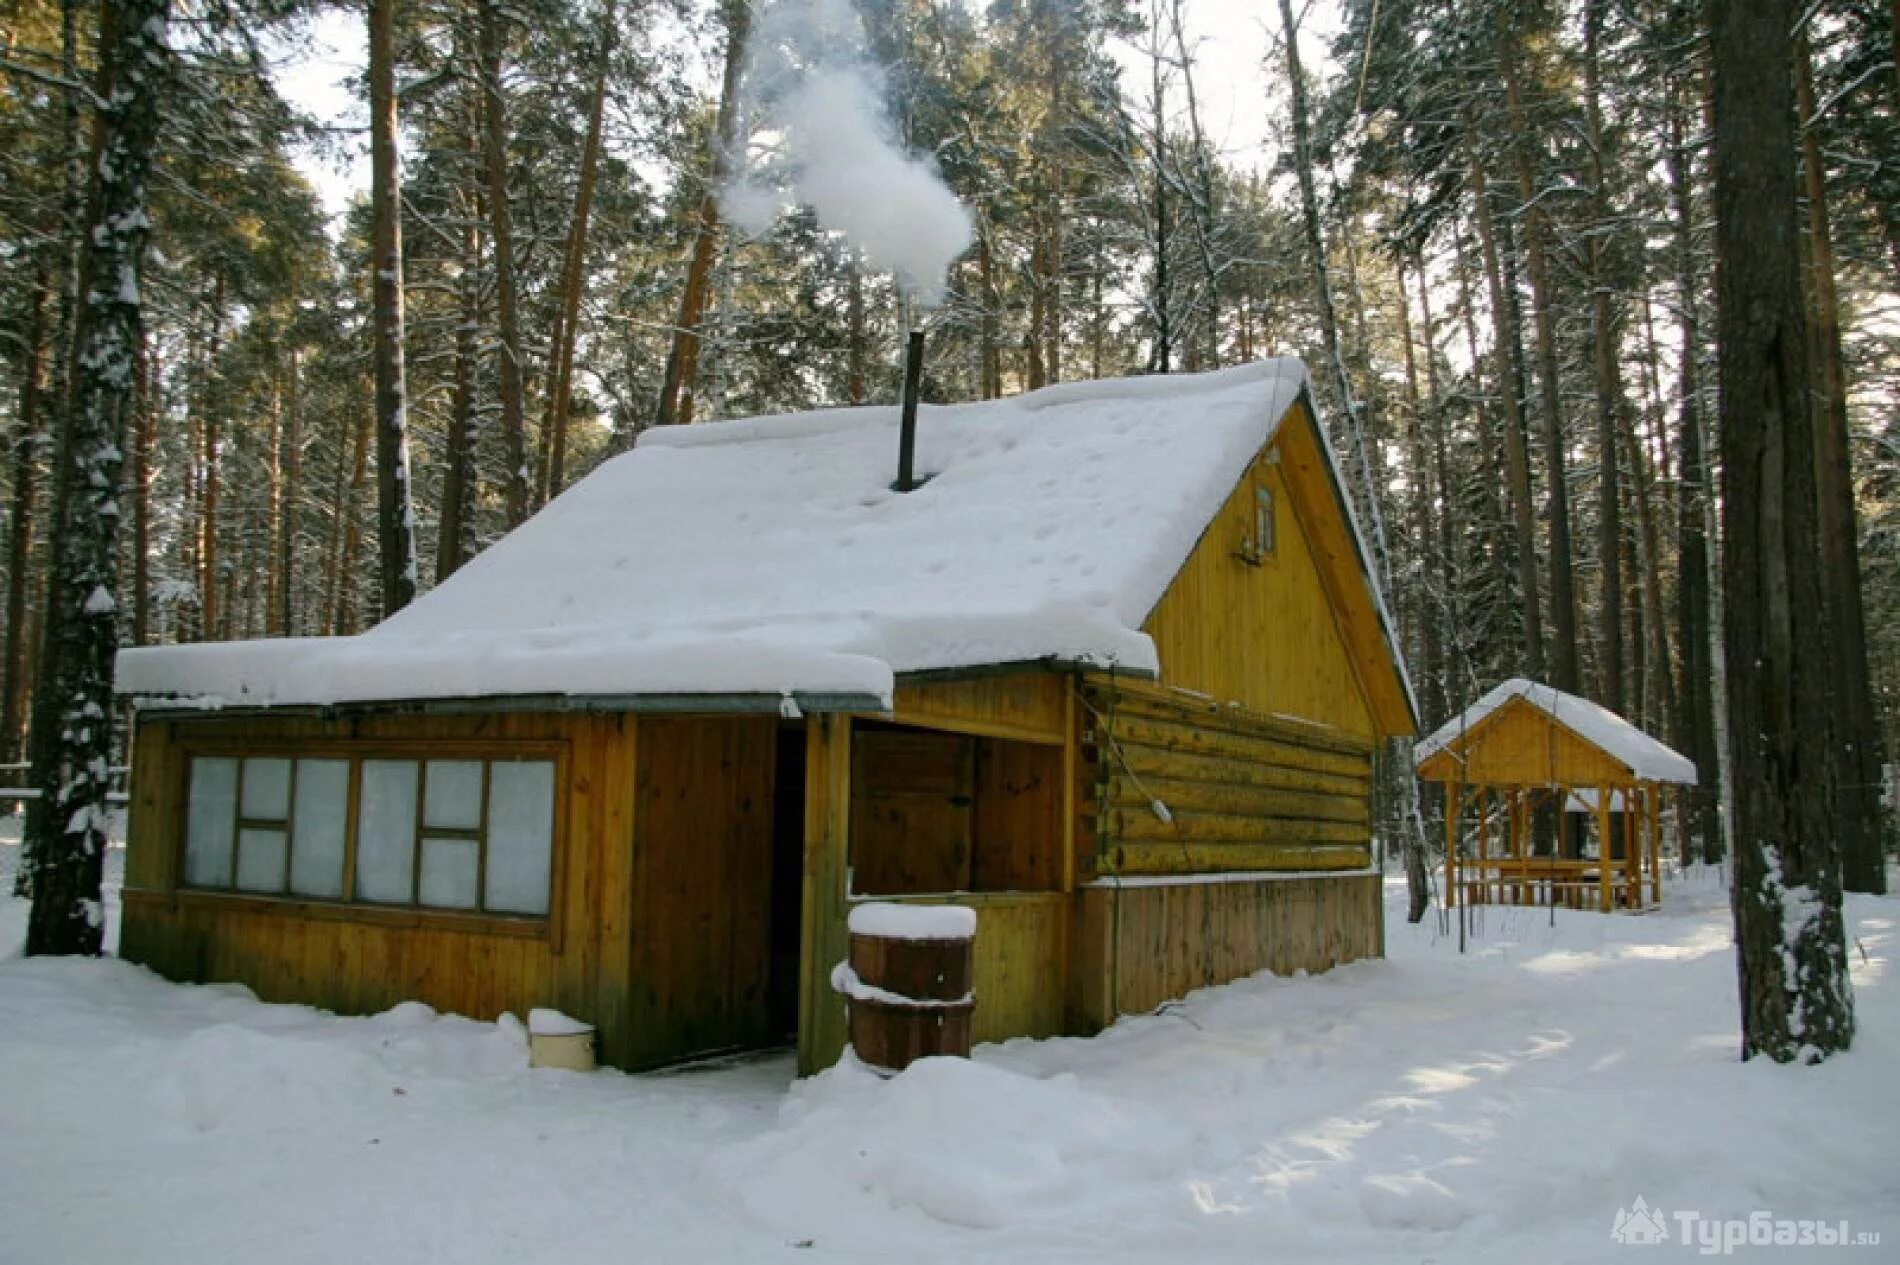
point(908, 982)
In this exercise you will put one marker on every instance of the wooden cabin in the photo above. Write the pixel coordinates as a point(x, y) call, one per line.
point(1113, 676)
point(1525, 749)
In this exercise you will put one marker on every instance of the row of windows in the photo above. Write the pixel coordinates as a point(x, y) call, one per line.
point(464, 834)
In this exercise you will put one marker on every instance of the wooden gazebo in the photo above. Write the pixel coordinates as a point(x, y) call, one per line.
point(1526, 747)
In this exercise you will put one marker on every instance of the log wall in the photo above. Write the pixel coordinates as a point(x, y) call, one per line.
point(1241, 790)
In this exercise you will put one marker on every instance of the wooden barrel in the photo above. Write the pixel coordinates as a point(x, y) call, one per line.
point(908, 982)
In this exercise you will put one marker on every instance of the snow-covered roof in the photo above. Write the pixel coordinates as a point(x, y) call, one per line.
point(769, 556)
point(1646, 759)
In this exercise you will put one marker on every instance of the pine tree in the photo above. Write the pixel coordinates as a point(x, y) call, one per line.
point(66, 845)
point(1796, 1002)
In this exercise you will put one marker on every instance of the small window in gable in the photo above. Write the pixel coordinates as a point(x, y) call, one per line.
point(1262, 540)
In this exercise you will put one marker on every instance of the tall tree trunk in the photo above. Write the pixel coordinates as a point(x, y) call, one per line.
point(991, 350)
point(1161, 355)
point(1428, 613)
point(522, 485)
point(68, 236)
point(1516, 446)
point(343, 588)
point(455, 538)
point(1660, 683)
point(682, 359)
point(1604, 328)
point(290, 519)
point(210, 410)
point(274, 506)
point(66, 847)
point(1796, 1001)
point(144, 443)
point(1856, 728)
point(1322, 283)
point(574, 263)
point(1693, 561)
point(856, 352)
point(1563, 598)
point(395, 513)
point(20, 517)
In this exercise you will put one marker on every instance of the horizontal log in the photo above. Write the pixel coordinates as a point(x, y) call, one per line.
point(1148, 763)
point(1254, 801)
point(1141, 825)
point(1136, 698)
point(1215, 858)
point(1166, 735)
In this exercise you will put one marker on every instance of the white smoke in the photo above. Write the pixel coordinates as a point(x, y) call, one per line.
point(815, 132)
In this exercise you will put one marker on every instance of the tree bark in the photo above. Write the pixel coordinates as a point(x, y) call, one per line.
point(454, 538)
point(1563, 598)
point(521, 485)
point(1516, 447)
point(144, 444)
point(66, 846)
point(395, 512)
point(1857, 748)
point(1791, 953)
point(574, 264)
point(20, 517)
point(290, 515)
point(1693, 562)
point(1604, 328)
point(210, 410)
point(675, 404)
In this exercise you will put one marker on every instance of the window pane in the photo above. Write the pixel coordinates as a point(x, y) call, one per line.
point(267, 789)
point(260, 863)
point(209, 824)
point(448, 873)
point(453, 798)
point(386, 831)
point(520, 836)
point(322, 814)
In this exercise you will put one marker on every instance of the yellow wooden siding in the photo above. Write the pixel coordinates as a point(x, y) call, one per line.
point(355, 960)
point(1026, 705)
point(1018, 971)
point(1520, 745)
point(1240, 790)
point(1144, 945)
point(1265, 635)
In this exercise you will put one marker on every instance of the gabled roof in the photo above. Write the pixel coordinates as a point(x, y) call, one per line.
point(1645, 758)
point(769, 556)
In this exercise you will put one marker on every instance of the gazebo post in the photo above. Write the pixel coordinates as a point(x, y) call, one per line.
point(1454, 804)
point(1604, 860)
point(1483, 851)
point(1655, 844)
point(1517, 839)
point(1632, 851)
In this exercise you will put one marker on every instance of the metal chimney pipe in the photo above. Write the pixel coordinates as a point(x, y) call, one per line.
point(907, 427)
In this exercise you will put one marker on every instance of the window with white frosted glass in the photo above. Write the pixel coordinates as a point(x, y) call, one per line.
point(386, 832)
point(471, 834)
point(211, 822)
point(320, 824)
point(520, 836)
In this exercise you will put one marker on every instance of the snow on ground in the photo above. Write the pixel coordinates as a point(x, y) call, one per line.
point(1496, 1106)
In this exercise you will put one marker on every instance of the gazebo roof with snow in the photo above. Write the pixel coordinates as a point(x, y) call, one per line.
point(769, 557)
point(1528, 734)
